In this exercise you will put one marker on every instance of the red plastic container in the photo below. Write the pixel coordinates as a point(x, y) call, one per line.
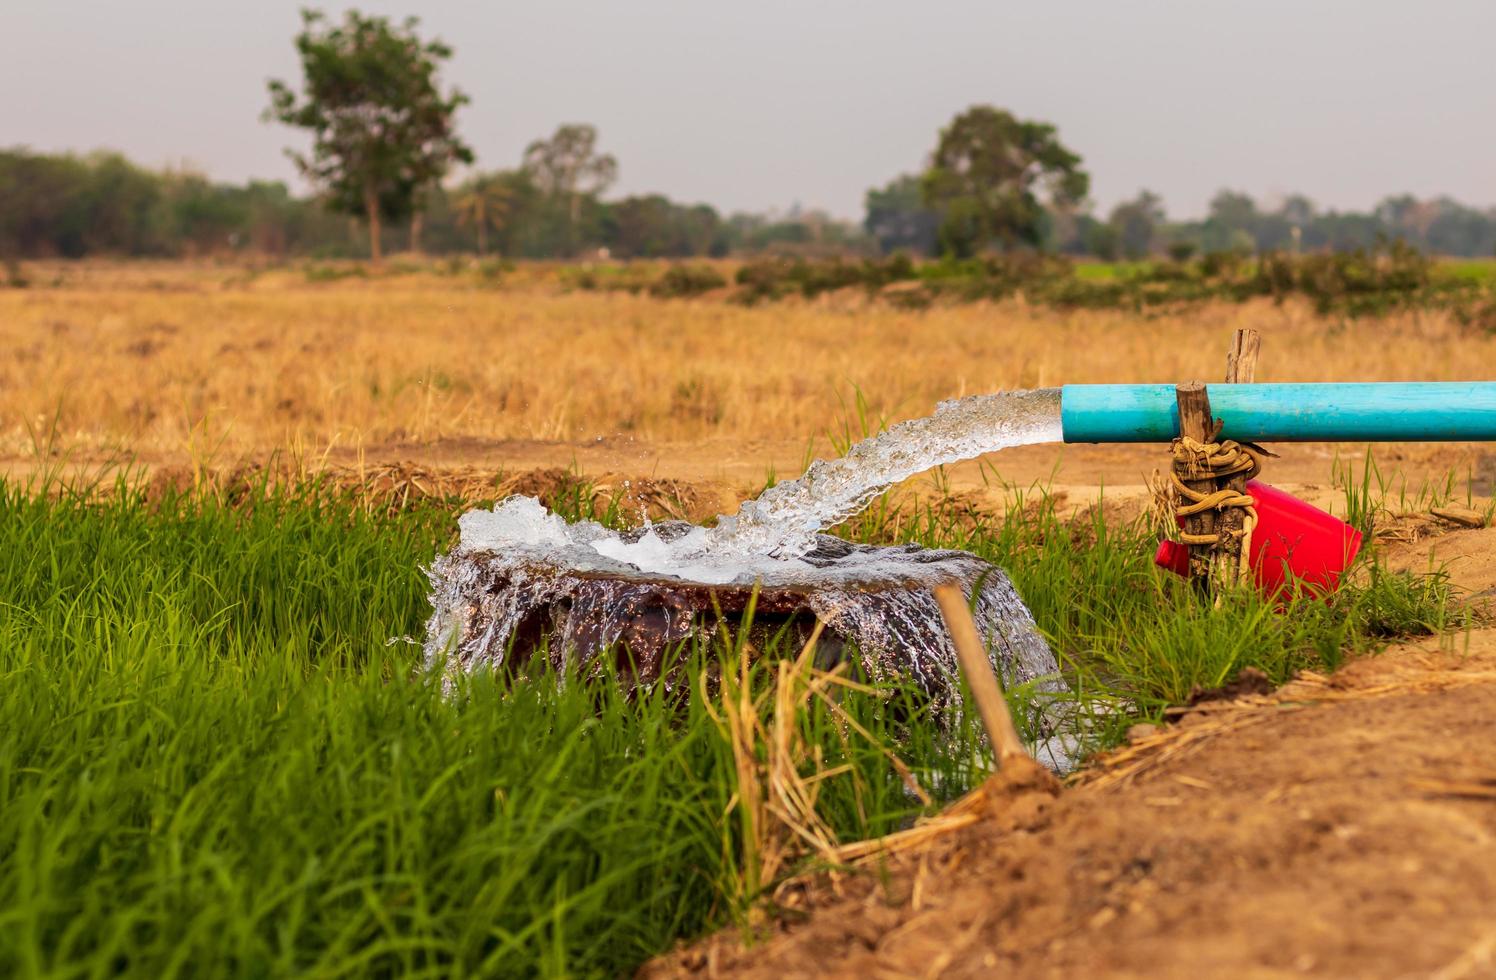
point(1293, 542)
point(1174, 556)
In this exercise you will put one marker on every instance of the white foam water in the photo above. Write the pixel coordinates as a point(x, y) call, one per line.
point(522, 578)
point(768, 537)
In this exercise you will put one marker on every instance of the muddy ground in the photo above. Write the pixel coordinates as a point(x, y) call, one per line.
point(1342, 826)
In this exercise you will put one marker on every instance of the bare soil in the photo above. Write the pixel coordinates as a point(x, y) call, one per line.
point(1341, 826)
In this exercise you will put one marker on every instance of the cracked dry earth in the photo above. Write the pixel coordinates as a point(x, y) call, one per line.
point(1342, 826)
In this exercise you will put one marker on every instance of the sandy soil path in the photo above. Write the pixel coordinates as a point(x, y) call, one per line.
point(1345, 827)
point(1342, 826)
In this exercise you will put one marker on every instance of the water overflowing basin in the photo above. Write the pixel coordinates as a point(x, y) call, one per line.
point(523, 582)
point(498, 611)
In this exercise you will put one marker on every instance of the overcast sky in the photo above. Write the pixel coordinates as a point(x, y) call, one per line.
point(758, 104)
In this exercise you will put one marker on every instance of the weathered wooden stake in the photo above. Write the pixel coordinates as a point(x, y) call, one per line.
point(1241, 361)
point(978, 669)
point(1196, 423)
point(1231, 566)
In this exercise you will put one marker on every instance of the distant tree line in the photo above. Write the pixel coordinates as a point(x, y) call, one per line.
point(66, 206)
point(102, 204)
point(1235, 222)
point(70, 206)
point(995, 184)
point(385, 148)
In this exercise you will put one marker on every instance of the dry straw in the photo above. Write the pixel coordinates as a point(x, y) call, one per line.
point(244, 367)
point(778, 773)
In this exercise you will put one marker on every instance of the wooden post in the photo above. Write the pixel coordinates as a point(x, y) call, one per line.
point(978, 669)
point(1241, 362)
point(1232, 566)
point(1196, 423)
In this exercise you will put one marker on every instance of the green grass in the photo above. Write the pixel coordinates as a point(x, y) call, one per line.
point(1374, 495)
point(1482, 271)
point(214, 762)
point(1093, 271)
point(1384, 278)
point(1127, 632)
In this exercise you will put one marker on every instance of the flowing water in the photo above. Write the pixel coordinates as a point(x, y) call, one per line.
point(768, 537)
point(522, 576)
point(785, 519)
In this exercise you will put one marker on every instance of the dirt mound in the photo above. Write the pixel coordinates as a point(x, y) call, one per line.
point(669, 499)
point(393, 486)
point(1342, 826)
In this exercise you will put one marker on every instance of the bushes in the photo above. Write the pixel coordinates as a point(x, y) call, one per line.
point(687, 280)
point(608, 278)
point(1365, 282)
point(776, 278)
point(677, 281)
point(764, 279)
point(1362, 281)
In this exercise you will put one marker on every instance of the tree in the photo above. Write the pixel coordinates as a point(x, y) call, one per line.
point(898, 218)
point(701, 230)
point(1101, 240)
point(1458, 230)
point(1136, 223)
point(568, 166)
point(642, 226)
point(1232, 224)
point(420, 203)
point(653, 226)
point(1297, 210)
point(483, 202)
point(381, 127)
point(987, 176)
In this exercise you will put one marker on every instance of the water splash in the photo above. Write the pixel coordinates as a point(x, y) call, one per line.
point(785, 519)
point(768, 537)
point(875, 603)
point(522, 580)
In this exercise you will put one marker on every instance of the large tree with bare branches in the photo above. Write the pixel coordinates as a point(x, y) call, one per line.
point(567, 167)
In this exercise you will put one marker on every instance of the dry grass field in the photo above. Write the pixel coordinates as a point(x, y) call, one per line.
point(214, 365)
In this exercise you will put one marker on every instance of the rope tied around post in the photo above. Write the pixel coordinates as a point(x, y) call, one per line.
point(1209, 479)
point(1196, 460)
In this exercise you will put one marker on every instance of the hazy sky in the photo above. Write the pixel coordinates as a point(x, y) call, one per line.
point(757, 104)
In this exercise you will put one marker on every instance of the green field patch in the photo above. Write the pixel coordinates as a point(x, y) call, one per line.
point(221, 755)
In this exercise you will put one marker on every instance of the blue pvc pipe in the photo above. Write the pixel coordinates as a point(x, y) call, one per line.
point(1454, 411)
